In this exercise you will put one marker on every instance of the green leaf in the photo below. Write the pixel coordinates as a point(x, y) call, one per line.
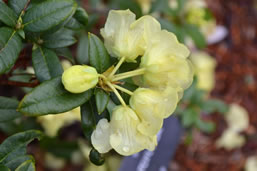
point(82, 50)
point(50, 97)
point(110, 106)
point(205, 126)
point(65, 52)
point(4, 168)
point(8, 108)
point(13, 164)
point(132, 5)
point(189, 117)
point(21, 33)
point(7, 16)
point(17, 141)
point(196, 35)
point(98, 56)
point(96, 158)
point(48, 14)
point(81, 16)
point(17, 5)
point(160, 6)
point(26, 166)
point(102, 99)
point(213, 105)
point(10, 47)
point(73, 24)
point(59, 39)
point(46, 64)
point(88, 121)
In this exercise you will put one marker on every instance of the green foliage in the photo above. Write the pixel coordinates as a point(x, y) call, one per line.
point(102, 99)
point(46, 64)
point(7, 16)
point(10, 46)
point(26, 166)
point(88, 121)
point(8, 108)
point(51, 98)
point(96, 158)
point(98, 56)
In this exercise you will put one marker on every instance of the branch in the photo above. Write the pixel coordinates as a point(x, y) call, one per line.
point(19, 84)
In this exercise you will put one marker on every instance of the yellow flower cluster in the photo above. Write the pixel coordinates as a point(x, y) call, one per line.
point(163, 75)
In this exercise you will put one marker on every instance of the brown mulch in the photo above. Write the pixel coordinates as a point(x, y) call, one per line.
point(236, 80)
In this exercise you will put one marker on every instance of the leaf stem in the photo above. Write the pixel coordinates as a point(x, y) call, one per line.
point(116, 93)
point(123, 89)
point(129, 74)
point(117, 67)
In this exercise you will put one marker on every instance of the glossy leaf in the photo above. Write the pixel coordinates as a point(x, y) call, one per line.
point(10, 47)
point(81, 16)
point(16, 161)
point(17, 141)
point(65, 52)
point(7, 16)
point(98, 56)
point(17, 5)
point(26, 166)
point(38, 19)
point(88, 121)
point(189, 117)
point(46, 64)
point(214, 105)
point(51, 98)
point(8, 108)
point(73, 24)
point(82, 50)
point(96, 158)
point(101, 99)
point(59, 39)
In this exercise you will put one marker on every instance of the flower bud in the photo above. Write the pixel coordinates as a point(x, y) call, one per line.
point(101, 136)
point(125, 138)
point(152, 106)
point(78, 78)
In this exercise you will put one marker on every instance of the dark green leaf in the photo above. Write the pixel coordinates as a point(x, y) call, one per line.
point(13, 164)
point(88, 121)
point(10, 46)
point(110, 106)
point(98, 56)
point(8, 108)
point(59, 39)
point(205, 126)
point(17, 5)
point(96, 158)
point(102, 99)
point(160, 6)
point(196, 35)
point(73, 24)
point(51, 97)
point(4, 168)
point(7, 16)
point(48, 14)
point(82, 50)
point(214, 105)
point(46, 64)
point(21, 33)
point(17, 141)
point(81, 16)
point(132, 5)
point(65, 52)
point(189, 117)
point(27, 166)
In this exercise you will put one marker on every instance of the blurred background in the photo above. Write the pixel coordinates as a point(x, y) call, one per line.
point(217, 113)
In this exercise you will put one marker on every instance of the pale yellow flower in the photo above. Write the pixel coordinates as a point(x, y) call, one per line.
point(124, 36)
point(251, 163)
point(78, 78)
point(237, 118)
point(125, 138)
point(53, 162)
point(165, 62)
point(101, 136)
point(204, 66)
point(152, 106)
point(230, 140)
point(66, 64)
point(53, 122)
